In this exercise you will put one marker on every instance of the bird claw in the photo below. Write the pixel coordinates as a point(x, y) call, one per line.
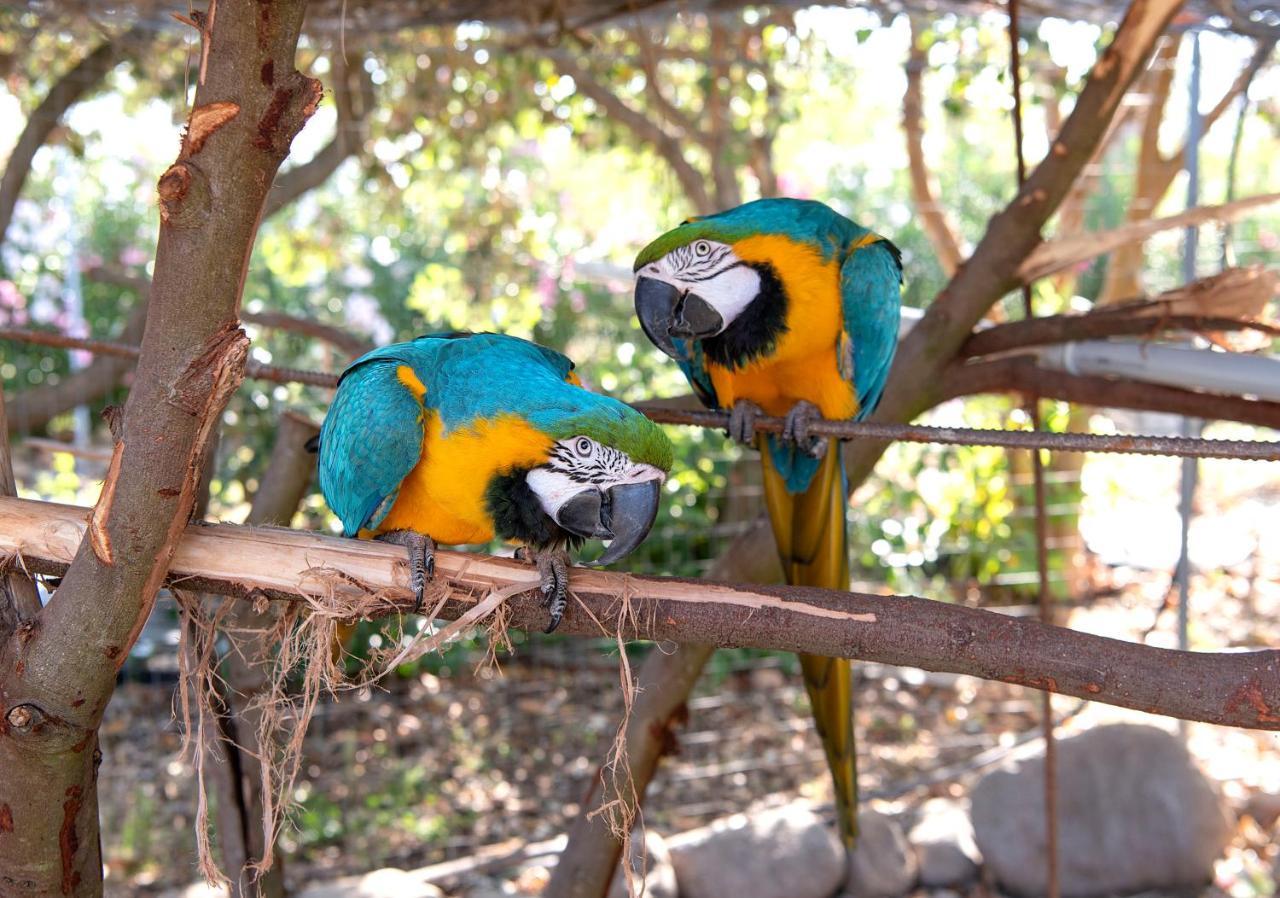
point(422, 560)
point(742, 422)
point(795, 429)
point(553, 568)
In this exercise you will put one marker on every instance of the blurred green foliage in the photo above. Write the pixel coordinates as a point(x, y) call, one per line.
point(492, 192)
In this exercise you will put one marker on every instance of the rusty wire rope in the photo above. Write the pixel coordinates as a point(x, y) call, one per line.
point(1121, 443)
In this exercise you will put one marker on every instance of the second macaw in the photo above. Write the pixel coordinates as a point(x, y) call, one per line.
point(785, 307)
point(460, 438)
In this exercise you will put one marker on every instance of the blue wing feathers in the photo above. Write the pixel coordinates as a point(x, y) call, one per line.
point(871, 291)
point(370, 441)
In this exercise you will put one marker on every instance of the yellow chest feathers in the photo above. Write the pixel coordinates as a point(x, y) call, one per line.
point(444, 495)
point(804, 363)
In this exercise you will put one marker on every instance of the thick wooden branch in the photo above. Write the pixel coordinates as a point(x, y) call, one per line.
point(1057, 255)
point(1209, 304)
point(249, 103)
point(65, 93)
point(1230, 688)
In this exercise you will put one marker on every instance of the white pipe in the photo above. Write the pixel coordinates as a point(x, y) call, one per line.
point(1229, 373)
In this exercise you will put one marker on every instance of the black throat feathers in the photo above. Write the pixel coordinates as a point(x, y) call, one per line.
point(755, 332)
point(517, 514)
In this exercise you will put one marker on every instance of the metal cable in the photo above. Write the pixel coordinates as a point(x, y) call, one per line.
point(1130, 444)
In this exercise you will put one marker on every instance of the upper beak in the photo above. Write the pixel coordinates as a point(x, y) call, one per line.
point(622, 513)
point(667, 314)
point(629, 514)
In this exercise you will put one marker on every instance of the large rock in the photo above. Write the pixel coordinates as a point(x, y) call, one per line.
point(883, 864)
point(1134, 813)
point(651, 855)
point(943, 841)
point(788, 852)
point(386, 883)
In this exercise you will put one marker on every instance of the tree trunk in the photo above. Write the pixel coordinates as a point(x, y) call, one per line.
point(57, 676)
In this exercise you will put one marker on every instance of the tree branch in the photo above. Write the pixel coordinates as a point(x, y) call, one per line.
point(932, 216)
point(1068, 251)
point(33, 409)
point(248, 106)
point(642, 127)
point(1021, 374)
point(348, 138)
point(1229, 688)
point(1184, 308)
point(1014, 233)
point(65, 93)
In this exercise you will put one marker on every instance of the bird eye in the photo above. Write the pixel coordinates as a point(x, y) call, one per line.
point(702, 248)
point(582, 446)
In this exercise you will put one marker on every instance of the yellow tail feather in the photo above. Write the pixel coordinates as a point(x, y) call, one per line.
point(809, 529)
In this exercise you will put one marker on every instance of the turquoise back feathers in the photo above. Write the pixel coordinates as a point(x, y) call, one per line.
point(372, 436)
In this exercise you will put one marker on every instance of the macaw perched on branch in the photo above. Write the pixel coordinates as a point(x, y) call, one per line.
point(786, 308)
point(460, 437)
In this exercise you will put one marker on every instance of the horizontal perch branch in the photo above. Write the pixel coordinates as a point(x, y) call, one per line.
point(1234, 689)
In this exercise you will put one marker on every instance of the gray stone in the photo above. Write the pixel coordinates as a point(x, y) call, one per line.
point(385, 883)
point(883, 864)
point(943, 841)
point(787, 852)
point(1134, 814)
point(652, 856)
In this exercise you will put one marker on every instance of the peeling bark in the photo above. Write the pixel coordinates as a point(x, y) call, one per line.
point(192, 358)
point(1225, 688)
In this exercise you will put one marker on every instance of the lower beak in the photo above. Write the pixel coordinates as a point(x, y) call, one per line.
point(666, 315)
point(623, 513)
point(630, 511)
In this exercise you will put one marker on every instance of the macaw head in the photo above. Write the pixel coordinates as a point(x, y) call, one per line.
point(603, 474)
point(593, 489)
point(697, 281)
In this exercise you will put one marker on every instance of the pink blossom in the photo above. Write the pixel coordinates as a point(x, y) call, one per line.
point(132, 255)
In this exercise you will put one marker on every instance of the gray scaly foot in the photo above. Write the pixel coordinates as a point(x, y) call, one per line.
point(795, 429)
point(422, 560)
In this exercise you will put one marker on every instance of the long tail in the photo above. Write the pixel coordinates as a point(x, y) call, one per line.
point(810, 532)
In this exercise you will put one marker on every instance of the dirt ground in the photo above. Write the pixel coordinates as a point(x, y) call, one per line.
point(440, 764)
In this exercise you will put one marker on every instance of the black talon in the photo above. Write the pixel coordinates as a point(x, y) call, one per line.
point(422, 560)
point(553, 568)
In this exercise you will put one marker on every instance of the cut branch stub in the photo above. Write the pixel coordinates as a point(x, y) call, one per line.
point(185, 201)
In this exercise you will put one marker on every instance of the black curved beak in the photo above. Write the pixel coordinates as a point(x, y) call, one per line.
point(666, 313)
point(622, 513)
point(629, 513)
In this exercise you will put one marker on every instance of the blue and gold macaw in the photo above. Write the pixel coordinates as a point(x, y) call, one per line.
point(460, 437)
point(786, 308)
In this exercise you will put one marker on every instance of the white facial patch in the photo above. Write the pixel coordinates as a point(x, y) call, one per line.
point(580, 463)
point(712, 271)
